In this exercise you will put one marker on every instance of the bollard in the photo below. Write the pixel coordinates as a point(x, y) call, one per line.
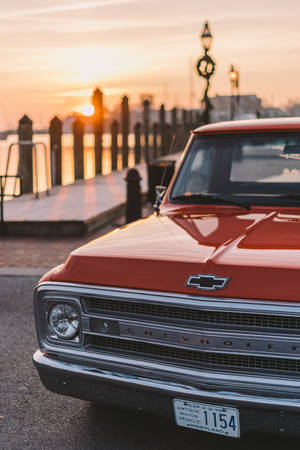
point(155, 130)
point(97, 101)
point(78, 132)
point(146, 125)
point(114, 145)
point(174, 120)
point(198, 119)
point(190, 119)
point(184, 120)
point(134, 196)
point(125, 131)
point(162, 124)
point(194, 122)
point(168, 139)
point(25, 153)
point(137, 143)
point(55, 131)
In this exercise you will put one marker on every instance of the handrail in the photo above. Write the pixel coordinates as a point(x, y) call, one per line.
point(34, 145)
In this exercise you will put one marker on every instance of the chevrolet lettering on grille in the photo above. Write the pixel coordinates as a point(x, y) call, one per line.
point(207, 282)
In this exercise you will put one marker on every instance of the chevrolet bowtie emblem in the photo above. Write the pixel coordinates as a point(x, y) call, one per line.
point(207, 282)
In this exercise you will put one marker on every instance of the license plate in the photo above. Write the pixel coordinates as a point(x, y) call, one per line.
point(210, 418)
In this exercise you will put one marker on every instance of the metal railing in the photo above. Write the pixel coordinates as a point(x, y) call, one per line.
point(3, 193)
point(34, 146)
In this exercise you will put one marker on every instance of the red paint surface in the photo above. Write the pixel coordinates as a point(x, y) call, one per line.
point(259, 250)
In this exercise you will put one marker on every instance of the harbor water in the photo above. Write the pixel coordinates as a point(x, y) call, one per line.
point(67, 159)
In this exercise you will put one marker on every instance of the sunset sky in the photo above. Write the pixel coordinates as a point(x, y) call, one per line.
point(54, 53)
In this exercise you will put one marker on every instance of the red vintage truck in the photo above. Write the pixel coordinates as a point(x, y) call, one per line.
point(194, 311)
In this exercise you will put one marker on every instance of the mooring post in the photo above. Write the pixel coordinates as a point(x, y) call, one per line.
point(55, 131)
point(174, 120)
point(98, 117)
point(134, 196)
point(162, 125)
point(78, 132)
point(193, 116)
point(155, 130)
point(198, 119)
point(125, 130)
point(137, 143)
point(190, 119)
point(146, 126)
point(114, 145)
point(168, 138)
point(184, 120)
point(25, 153)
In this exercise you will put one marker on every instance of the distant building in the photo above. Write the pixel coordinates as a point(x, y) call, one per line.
point(294, 110)
point(245, 107)
point(273, 111)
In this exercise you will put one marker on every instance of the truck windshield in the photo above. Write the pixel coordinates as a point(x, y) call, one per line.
point(256, 169)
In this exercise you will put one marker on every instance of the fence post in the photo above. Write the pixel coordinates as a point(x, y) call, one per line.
point(137, 143)
point(168, 138)
point(155, 130)
point(114, 145)
point(190, 119)
point(198, 119)
point(78, 132)
point(184, 120)
point(193, 115)
point(174, 120)
point(25, 153)
point(97, 101)
point(146, 125)
point(125, 131)
point(162, 125)
point(55, 131)
point(134, 196)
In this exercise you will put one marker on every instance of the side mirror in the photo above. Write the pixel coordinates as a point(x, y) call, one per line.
point(160, 193)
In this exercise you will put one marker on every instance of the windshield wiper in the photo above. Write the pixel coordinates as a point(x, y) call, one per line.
point(212, 197)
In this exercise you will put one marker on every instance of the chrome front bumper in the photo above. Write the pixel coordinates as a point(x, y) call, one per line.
point(115, 387)
point(143, 349)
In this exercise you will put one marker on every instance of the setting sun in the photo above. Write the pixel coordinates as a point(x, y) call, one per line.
point(86, 110)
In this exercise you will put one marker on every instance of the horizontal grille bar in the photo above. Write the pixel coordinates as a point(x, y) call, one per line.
point(193, 358)
point(223, 318)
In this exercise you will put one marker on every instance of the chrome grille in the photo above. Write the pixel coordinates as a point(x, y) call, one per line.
point(192, 358)
point(208, 333)
point(226, 319)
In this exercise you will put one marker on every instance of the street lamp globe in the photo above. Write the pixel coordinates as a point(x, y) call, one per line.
point(234, 76)
point(206, 37)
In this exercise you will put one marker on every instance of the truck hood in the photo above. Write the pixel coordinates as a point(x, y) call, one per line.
point(258, 251)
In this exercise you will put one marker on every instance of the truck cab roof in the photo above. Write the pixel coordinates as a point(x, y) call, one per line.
point(251, 126)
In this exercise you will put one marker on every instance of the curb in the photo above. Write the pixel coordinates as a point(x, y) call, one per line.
point(23, 271)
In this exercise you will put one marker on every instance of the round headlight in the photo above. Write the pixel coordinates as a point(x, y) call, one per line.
point(63, 320)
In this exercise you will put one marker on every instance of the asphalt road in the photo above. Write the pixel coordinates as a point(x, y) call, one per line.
point(32, 418)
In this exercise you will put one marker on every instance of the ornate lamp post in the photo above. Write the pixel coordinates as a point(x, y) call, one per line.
point(234, 80)
point(205, 68)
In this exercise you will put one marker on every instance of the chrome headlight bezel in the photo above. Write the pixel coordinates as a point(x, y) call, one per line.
point(44, 301)
point(54, 334)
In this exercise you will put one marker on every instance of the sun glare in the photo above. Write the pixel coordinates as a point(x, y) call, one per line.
point(86, 110)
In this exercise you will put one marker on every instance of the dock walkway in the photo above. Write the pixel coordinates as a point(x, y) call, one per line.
point(73, 209)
